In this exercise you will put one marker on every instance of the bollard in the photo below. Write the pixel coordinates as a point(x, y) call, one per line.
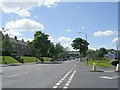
point(117, 68)
point(94, 67)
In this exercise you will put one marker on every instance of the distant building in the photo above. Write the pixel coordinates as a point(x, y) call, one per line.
point(110, 55)
point(72, 54)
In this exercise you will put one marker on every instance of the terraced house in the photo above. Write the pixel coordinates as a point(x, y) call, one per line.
point(20, 47)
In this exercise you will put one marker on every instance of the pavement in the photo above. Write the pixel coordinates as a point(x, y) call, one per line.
point(69, 74)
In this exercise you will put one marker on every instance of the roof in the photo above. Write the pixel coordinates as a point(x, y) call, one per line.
point(18, 41)
point(72, 52)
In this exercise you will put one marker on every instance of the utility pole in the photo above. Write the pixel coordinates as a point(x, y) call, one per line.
point(86, 43)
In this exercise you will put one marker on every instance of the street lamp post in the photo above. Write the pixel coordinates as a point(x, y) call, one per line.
point(117, 50)
point(86, 41)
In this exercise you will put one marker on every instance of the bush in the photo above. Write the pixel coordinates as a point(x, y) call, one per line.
point(114, 63)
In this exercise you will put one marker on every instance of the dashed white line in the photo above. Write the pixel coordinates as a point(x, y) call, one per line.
point(69, 80)
point(19, 74)
point(57, 83)
point(63, 78)
point(55, 86)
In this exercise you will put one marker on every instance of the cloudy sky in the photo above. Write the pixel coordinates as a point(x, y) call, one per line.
point(62, 21)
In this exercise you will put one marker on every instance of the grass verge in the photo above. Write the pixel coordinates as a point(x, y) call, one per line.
point(28, 59)
point(102, 63)
point(8, 60)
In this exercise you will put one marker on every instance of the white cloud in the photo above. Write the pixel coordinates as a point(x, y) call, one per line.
point(82, 27)
point(23, 13)
point(92, 48)
point(64, 39)
point(65, 42)
point(19, 7)
point(50, 38)
point(21, 25)
point(68, 30)
point(116, 40)
point(105, 33)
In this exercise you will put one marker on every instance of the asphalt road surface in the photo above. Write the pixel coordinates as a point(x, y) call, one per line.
point(69, 74)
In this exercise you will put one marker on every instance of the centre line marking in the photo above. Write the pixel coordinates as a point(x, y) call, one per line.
point(69, 80)
point(63, 78)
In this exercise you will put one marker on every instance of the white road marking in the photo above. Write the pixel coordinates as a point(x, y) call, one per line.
point(110, 78)
point(55, 86)
point(19, 74)
point(109, 71)
point(57, 83)
point(63, 78)
point(65, 87)
point(69, 80)
point(60, 81)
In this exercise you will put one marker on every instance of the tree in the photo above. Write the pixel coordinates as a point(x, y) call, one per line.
point(52, 52)
point(91, 53)
point(81, 44)
point(41, 44)
point(59, 50)
point(102, 52)
point(6, 45)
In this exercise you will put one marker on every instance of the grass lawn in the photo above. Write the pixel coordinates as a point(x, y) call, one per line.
point(102, 63)
point(8, 60)
point(47, 59)
point(27, 59)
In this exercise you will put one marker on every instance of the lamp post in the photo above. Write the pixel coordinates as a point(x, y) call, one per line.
point(86, 41)
point(117, 50)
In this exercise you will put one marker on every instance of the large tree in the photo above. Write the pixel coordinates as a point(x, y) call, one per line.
point(91, 53)
point(81, 45)
point(7, 46)
point(52, 51)
point(101, 52)
point(41, 44)
point(59, 51)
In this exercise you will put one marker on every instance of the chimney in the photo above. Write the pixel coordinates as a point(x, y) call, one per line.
point(22, 40)
point(15, 38)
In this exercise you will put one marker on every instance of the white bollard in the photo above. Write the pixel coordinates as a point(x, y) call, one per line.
point(94, 67)
point(117, 68)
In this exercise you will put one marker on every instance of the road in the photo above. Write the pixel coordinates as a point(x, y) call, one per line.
point(69, 74)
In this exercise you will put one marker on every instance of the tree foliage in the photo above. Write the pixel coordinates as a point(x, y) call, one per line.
point(7, 46)
point(101, 52)
point(80, 44)
point(41, 44)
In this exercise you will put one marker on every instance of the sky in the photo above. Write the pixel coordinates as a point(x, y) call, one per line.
point(62, 21)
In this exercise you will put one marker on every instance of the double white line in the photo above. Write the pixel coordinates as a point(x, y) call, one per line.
point(63, 78)
point(69, 80)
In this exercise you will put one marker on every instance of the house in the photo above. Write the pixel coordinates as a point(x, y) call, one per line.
point(20, 46)
point(110, 55)
point(72, 54)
